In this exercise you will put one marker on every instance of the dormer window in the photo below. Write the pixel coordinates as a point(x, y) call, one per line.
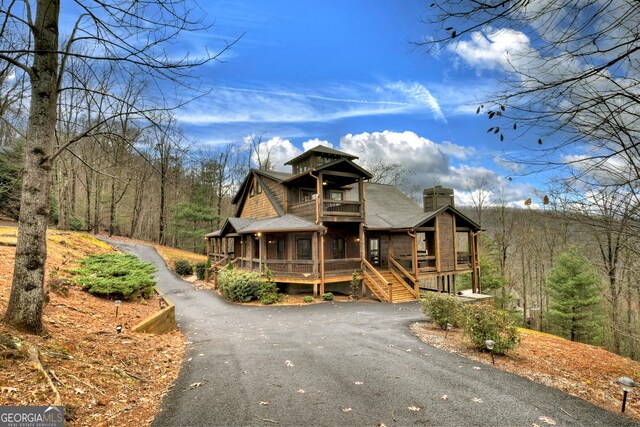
point(301, 167)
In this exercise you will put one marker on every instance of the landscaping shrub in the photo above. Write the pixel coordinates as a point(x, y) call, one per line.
point(200, 268)
point(354, 289)
point(442, 309)
point(269, 294)
point(308, 299)
point(116, 275)
point(483, 322)
point(238, 285)
point(75, 224)
point(182, 267)
point(327, 296)
point(270, 298)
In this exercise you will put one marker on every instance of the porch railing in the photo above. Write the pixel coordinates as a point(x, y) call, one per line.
point(281, 266)
point(464, 258)
point(341, 207)
point(345, 264)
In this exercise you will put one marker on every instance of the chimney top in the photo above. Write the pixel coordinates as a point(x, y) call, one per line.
point(437, 197)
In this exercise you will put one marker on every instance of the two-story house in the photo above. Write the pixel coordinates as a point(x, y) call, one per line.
point(315, 226)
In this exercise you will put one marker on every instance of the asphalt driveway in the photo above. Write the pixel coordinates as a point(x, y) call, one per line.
point(338, 364)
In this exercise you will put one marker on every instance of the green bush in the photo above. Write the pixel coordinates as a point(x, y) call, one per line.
point(239, 285)
point(200, 268)
point(116, 275)
point(308, 299)
point(354, 288)
point(483, 322)
point(269, 298)
point(182, 267)
point(442, 309)
point(327, 296)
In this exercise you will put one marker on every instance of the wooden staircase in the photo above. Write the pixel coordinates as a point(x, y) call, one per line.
point(400, 292)
point(386, 285)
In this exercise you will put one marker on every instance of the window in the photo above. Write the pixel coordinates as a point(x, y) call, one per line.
point(336, 195)
point(374, 251)
point(301, 167)
point(307, 195)
point(337, 248)
point(255, 188)
point(303, 248)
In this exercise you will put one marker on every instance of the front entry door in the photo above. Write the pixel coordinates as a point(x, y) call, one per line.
point(374, 251)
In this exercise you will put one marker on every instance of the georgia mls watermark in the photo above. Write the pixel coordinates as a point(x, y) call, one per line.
point(31, 416)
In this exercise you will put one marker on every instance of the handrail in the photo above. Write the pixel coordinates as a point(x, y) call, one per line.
point(414, 291)
point(389, 293)
point(376, 272)
point(402, 269)
point(220, 261)
point(373, 285)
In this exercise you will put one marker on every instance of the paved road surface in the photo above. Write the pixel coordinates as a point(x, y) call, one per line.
point(338, 364)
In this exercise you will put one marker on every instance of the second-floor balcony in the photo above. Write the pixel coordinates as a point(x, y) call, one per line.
point(341, 208)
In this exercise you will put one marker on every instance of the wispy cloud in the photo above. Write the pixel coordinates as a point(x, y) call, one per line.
point(228, 104)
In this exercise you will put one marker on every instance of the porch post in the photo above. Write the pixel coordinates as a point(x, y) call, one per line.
point(363, 253)
point(322, 262)
point(437, 233)
point(208, 247)
point(262, 250)
point(474, 268)
point(314, 257)
point(455, 245)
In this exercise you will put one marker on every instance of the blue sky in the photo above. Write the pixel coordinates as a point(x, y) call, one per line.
point(344, 73)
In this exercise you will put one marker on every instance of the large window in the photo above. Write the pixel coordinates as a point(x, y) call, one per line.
point(337, 248)
point(303, 248)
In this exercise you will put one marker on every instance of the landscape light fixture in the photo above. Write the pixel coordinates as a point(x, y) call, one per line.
point(448, 328)
point(118, 302)
point(118, 328)
point(627, 384)
point(490, 344)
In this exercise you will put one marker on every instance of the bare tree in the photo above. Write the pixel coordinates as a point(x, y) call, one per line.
point(115, 36)
point(571, 81)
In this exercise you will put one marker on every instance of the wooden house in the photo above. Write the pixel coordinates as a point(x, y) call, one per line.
point(315, 226)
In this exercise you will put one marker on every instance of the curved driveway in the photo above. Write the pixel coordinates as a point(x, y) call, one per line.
point(338, 364)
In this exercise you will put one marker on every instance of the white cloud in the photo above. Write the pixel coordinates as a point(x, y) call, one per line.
point(418, 93)
point(276, 150)
point(228, 105)
point(314, 143)
point(492, 50)
point(425, 162)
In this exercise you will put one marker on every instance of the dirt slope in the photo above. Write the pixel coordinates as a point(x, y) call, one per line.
point(103, 378)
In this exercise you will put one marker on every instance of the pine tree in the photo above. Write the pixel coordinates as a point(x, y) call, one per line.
point(574, 292)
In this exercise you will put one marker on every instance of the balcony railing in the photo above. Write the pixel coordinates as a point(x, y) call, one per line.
point(341, 207)
point(345, 265)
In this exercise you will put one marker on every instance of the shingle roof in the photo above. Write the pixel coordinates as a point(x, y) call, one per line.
point(287, 222)
point(389, 208)
point(321, 149)
point(238, 224)
point(275, 175)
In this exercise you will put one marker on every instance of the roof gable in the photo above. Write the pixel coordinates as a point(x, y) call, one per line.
point(320, 149)
point(257, 176)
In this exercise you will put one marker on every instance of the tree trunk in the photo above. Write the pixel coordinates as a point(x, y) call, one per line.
point(26, 302)
point(96, 205)
point(112, 210)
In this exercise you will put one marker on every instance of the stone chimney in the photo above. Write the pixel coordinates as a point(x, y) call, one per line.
point(437, 197)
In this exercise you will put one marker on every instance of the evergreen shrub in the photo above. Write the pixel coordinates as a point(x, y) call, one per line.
point(116, 275)
point(183, 267)
point(483, 322)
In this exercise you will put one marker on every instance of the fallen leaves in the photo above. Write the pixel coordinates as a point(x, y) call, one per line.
point(196, 385)
point(288, 363)
point(582, 370)
point(414, 408)
point(547, 420)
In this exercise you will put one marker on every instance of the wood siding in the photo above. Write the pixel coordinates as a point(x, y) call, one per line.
point(445, 235)
point(306, 210)
point(277, 190)
point(258, 207)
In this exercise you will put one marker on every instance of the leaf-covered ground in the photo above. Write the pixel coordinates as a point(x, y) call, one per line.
point(103, 378)
point(582, 370)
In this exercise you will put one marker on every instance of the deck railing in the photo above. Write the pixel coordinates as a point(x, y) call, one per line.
point(341, 207)
point(281, 266)
point(345, 264)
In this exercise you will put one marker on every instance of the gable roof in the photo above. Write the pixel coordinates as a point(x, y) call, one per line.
point(246, 184)
point(232, 225)
point(389, 208)
point(321, 149)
